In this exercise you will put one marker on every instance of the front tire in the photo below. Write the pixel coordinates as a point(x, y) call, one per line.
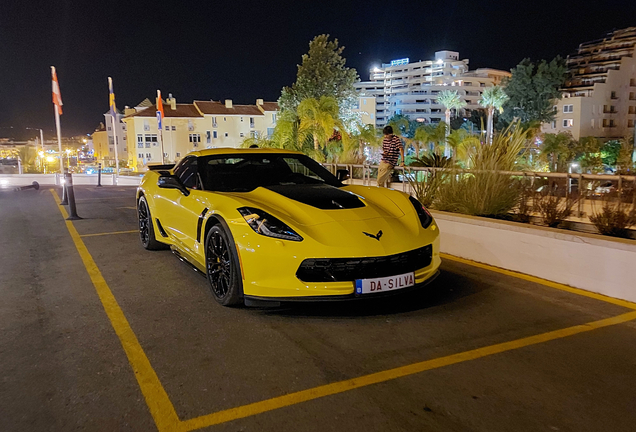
point(146, 227)
point(222, 267)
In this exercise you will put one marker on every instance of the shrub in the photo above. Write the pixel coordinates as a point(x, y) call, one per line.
point(553, 209)
point(479, 194)
point(426, 184)
point(614, 219)
point(484, 191)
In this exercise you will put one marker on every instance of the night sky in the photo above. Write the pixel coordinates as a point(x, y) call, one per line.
point(247, 50)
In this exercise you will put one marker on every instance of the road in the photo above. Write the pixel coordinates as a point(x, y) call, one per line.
point(97, 334)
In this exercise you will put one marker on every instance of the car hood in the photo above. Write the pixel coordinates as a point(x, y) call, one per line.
point(309, 205)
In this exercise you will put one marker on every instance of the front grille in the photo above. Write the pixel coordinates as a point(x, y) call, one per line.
point(350, 269)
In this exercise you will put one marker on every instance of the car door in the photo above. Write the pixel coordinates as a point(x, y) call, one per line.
point(183, 211)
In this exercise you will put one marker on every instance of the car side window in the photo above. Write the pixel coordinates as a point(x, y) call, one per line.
point(188, 173)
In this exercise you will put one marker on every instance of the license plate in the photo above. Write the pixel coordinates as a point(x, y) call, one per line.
point(385, 284)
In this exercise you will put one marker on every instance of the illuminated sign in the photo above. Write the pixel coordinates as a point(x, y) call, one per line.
point(399, 62)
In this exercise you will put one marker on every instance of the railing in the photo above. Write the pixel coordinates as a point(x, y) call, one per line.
point(364, 173)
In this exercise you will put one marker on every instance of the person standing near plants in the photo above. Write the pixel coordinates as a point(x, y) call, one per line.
point(391, 149)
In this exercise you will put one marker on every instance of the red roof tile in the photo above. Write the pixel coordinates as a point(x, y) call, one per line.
point(270, 106)
point(183, 110)
point(214, 107)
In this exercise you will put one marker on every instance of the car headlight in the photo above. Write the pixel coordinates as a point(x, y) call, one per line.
point(422, 213)
point(265, 224)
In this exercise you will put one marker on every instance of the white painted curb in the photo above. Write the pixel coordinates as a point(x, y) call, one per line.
point(595, 263)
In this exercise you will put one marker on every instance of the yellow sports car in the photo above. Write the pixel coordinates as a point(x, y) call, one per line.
point(268, 225)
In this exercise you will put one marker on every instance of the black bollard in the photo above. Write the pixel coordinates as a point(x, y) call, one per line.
point(99, 175)
point(71, 200)
point(35, 185)
point(64, 189)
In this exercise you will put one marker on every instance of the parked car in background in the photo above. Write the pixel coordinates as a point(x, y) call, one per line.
point(604, 188)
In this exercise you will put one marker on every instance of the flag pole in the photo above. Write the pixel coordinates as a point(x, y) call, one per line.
point(57, 120)
point(160, 123)
point(113, 114)
point(59, 139)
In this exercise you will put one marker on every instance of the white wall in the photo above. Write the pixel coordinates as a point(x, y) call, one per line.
point(587, 261)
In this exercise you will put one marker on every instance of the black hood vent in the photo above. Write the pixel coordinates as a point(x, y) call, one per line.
point(321, 196)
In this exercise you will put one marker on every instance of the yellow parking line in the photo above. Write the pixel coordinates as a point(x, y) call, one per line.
point(545, 282)
point(391, 374)
point(109, 233)
point(156, 397)
point(165, 416)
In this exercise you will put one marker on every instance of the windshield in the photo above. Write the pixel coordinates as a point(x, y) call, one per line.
point(246, 172)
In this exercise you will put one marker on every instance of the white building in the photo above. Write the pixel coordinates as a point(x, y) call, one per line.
point(599, 97)
point(402, 87)
point(193, 126)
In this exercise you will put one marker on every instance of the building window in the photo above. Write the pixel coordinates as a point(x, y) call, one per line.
point(148, 156)
point(253, 134)
point(273, 118)
point(226, 134)
point(174, 128)
point(568, 108)
point(109, 128)
point(270, 132)
point(251, 122)
point(567, 123)
point(215, 134)
point(146, 125)
point(613, 95)
point(178, 154)
point(592, 123)
point(140, 141)
point(195, 139)
point(140, 155)
point(190, 125)
point(167, 127)
point(241, 134)
point(630, 123)
point(214, 122)
point(208, 136)
point(608, 123)
point(554, 124)
point(150, 138)
point(631, 109)
point(241, 118)
point(224, 119)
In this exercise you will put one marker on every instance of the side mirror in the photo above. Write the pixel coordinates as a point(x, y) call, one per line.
point(172, 182)
point(342, 174)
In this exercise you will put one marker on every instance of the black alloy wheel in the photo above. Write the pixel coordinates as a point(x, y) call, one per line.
point(146, 229)
point(222, 267)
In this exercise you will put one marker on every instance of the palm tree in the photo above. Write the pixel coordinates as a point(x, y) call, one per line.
point(319, 117)
point(431, 134)
point(492, 97)
point(451, 100)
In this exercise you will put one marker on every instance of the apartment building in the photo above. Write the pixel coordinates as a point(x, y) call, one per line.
point(599, 96)
point(193, 126)
point(402, 87)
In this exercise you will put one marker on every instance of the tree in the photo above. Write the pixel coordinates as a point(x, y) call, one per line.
point(451, 101)
point(322, 73)
point(532, 89)
point(492, 98)
point(558, 150)
point(319, 117)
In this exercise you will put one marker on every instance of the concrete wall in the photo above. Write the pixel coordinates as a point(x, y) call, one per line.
point(10, 181)
point(591, 262)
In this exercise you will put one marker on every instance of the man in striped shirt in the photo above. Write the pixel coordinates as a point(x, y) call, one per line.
point(391, 149)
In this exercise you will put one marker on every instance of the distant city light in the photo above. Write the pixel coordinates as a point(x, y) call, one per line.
point(399, 62)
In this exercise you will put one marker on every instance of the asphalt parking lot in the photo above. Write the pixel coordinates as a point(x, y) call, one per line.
point(97, 334)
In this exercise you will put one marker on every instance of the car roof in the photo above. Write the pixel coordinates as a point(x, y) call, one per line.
point(232, 150)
